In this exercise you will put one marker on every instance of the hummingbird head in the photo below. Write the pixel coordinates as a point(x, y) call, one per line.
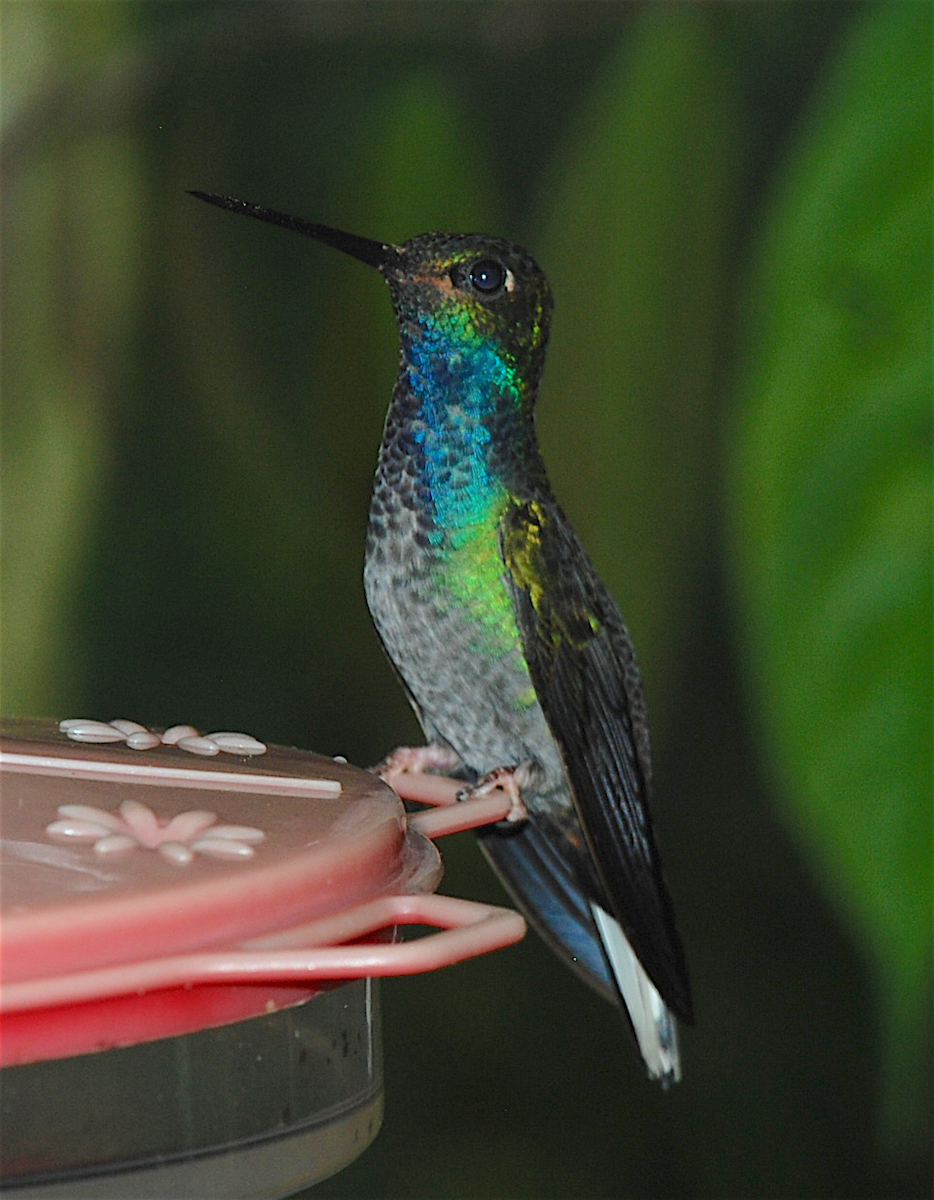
point(475, 290)
point(465, 290)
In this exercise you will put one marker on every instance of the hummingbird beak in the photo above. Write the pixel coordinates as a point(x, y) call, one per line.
point(374, 254)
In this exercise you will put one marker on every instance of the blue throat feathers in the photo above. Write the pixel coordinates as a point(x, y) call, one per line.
point(455, 392)
point(458, 390)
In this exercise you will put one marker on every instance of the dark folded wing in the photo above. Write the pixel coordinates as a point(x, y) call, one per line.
point(583, 668)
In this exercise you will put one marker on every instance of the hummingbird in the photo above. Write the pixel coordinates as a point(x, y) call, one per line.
point(510, 648)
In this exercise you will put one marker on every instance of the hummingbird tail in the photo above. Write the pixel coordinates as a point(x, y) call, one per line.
point(549, 894)
point(654, 1026)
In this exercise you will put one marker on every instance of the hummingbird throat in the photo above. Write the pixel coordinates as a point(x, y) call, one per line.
point(454, 394)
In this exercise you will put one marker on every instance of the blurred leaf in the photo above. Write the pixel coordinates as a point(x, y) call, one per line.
point(428, 158)
point(832, 514)
point(641, 216)
point(73, 202)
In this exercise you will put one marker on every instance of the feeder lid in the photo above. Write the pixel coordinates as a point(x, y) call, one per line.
point(134, 862)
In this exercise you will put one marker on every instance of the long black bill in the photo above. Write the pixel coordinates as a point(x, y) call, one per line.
point(375, 254)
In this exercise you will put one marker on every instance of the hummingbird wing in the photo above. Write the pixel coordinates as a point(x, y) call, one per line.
point(583, 668)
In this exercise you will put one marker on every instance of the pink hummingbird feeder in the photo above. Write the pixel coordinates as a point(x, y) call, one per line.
point(192, 927)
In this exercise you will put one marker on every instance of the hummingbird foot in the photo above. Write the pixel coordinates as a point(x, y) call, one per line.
point(511, 780)
point(416, 760)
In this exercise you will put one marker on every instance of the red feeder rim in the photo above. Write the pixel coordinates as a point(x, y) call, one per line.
point(154, 884)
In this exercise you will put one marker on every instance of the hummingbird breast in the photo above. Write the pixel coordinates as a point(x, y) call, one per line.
point(436, 587)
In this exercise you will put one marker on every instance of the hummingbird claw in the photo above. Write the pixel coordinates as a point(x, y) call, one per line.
point(416, 760)
point(509, 780)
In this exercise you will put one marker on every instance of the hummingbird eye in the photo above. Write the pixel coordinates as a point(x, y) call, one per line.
point(489, 276)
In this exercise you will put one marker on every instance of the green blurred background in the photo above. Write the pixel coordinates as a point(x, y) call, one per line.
point(733, 204)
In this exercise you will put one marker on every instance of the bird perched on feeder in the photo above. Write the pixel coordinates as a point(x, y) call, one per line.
point(511, 650)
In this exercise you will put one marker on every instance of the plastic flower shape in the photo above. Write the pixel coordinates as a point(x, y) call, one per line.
point(138, 737)
point(137, 826)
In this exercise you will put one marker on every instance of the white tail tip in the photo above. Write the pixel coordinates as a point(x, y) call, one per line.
point(656, 1030)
